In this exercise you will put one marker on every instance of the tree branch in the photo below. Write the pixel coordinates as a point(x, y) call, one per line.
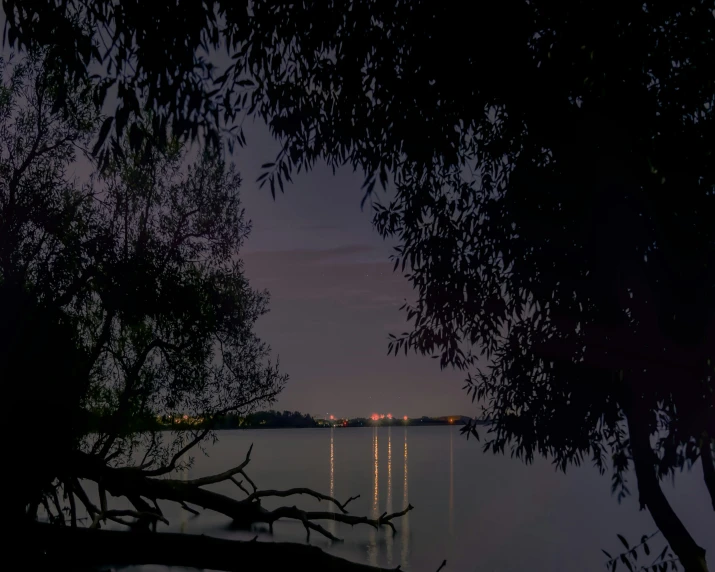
point(132, 483)
point(225, 475)
point(302, 491)
point(69, 548)
point(172, 464)
point(706, 457)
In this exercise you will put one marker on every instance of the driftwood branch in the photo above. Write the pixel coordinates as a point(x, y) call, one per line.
point(239, 484)
point(66, 547)
point(73, 506)
point(383, 520)
point(135, 514)
point(134, 484)
point(302, 491)
point(189, 509)
point(706, 457)
point(226, 474)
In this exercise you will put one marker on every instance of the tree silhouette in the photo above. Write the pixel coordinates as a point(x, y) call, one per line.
point(554, 189)
point(124, 299)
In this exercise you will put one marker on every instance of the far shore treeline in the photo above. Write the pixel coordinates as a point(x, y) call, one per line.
point(277, 419)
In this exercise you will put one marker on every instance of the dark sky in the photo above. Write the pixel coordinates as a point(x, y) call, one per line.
point(334, 297)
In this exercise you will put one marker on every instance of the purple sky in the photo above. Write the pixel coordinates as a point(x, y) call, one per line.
point(334, 297)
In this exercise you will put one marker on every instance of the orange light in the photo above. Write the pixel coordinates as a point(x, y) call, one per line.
point(375, 417)
point(382, 416)
point(332, 417)
point(405, 417)
point(389, 415)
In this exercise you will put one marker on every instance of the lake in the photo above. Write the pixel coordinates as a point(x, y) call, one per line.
point(479, 511)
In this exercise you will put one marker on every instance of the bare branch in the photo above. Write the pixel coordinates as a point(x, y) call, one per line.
point(89, 548)
point(136, 514)
point(58, 506)
point(189, 509)
point(124, 482)
point(73, 506)
point(180, 453)
point(239, 484)
point(301, 491)
point(706, 457)
point(384, 519)
point(226, 474)
point(172, 464)
point(84, 499)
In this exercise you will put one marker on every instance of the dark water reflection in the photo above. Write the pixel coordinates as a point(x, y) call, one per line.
point(479, 511)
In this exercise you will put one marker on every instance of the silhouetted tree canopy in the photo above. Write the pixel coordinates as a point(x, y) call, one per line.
point(553, 178)
point(125, 292)
point(123, 301)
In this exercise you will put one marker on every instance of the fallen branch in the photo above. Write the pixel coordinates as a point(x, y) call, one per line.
point(226, 474)
point(189, 509)
point(69, 548)
point(133, 484)
point(302, 491)
point(384, 519)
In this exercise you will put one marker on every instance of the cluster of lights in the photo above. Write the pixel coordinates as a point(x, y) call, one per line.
point(378, 416)
point(375, 417)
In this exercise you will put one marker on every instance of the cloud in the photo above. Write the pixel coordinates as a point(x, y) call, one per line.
point(319, 227)
point(356, 277)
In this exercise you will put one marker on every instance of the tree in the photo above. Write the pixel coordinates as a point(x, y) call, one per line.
point(127, 301)
point(554, 191)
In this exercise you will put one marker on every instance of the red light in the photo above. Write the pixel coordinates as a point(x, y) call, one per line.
point(375, 417)
point(405, 417)
point(389, 415)
point(332, 417)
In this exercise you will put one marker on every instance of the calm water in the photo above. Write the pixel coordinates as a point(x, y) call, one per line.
point(479, 511)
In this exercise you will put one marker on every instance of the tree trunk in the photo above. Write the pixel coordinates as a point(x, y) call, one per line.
point(65, 548)
point(706, 457)
point(691, 556)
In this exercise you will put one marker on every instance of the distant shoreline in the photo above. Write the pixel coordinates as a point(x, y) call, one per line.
point(281, 420)
point(179, 427)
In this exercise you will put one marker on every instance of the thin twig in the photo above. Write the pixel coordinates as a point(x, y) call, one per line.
point(189, 509)
point(239, 484)
point(301, 491)
point(226, 474)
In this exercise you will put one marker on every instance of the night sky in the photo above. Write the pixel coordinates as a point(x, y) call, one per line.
point(334, 297)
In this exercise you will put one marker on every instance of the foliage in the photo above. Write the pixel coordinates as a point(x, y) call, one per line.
point(136, 270)
point(662, 562)
point(553, 190)
point(131, 284)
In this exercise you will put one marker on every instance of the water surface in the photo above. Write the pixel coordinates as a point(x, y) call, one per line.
point(479, 511)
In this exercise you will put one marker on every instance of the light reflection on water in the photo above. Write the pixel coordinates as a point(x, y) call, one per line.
point(388, 509)
point(332, 507)
point(478, 511)
point(405, 522)
point(184, 476)
point(375, 510)
point(451, 482)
